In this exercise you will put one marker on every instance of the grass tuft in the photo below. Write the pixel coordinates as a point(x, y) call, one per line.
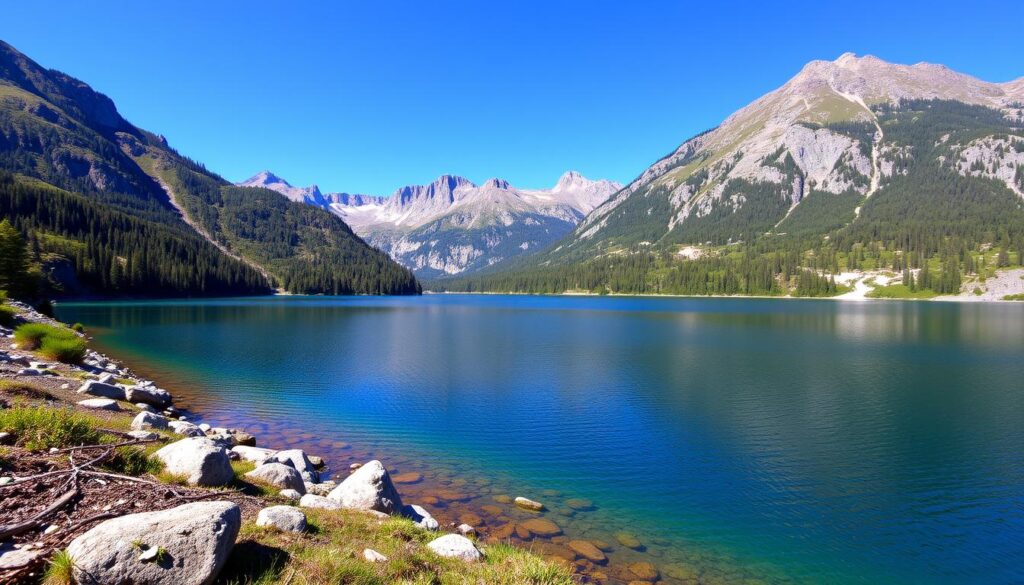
point(61, 569)
point(55, 343)
point(44, 427)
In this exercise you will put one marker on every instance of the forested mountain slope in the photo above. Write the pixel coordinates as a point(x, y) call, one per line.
point(83, 185)
point(853, 163)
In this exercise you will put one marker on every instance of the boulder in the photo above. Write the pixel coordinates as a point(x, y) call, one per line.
point(455, 546)
point(290, 494)
point(243, 438)
point(368, 488)
point(106, 378)
point(421, 517)
point(311, 501)
point(144, 407)
point(297, 459)
point(97, 388)
point(185, 428)
point(539, 527)
point(199, 460)
point(321, 489)
point(100, 404)
point(255, 454)
point(466, 530)
point(528, 504)
point(278, 475)
point(148, 395)
point(284, 518)
point(147, 420)
point(196, 540)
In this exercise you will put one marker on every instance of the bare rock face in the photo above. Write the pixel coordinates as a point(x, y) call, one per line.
point(278, 475)
point(455, 546)
point(199, 460)
point(369, 488)
point(192, 542)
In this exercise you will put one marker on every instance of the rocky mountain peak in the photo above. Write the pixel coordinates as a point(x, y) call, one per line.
point(497, 184)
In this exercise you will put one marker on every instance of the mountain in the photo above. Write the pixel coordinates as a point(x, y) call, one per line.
point(453, 226)
point(112, 209)
point(905, 161)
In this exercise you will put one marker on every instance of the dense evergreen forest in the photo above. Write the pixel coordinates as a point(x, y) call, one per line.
point(82, 246)
point(928, 223)
point(83, 187)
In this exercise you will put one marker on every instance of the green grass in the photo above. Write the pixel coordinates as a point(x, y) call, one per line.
point(55, 343)
point(60, 571)
point(44, 427)
point(900, 291)
point(1016, 297)
point(136, 460)
point(330, 551)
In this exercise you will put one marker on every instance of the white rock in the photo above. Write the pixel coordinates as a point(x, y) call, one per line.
point(149, 395)
point(199, 460)
point(106, 378)
point(284, 518)
point(144, 407)
point(100, 404)
point(278, 475)
point(257, 455)
point(466, 530)
point(197, 539)
point(368, 488)
point(185, 428)
point(290, 494)
point(528, 504)
point(373, 556)
point(148, 420)
point(455, 546)
point(297, 459)
point(321, 489)
point(97, 388)
point(421, 517)
point(311, 501)
point(143, 435)
point(204, 427)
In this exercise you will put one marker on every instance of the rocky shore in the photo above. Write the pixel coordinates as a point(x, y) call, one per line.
point(152, 497)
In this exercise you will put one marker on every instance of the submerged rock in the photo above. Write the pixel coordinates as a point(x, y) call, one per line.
point(540, 527)
point(588, 551)
point(528, 504)
point(196, 539)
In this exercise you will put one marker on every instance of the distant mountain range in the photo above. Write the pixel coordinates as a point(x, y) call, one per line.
point(854, 162)
point(111, 209)
point(453, 226)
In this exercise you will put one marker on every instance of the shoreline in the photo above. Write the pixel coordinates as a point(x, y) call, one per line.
point(51, 385)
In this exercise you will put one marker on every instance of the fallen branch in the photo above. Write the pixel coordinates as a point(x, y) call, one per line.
point(109, 446)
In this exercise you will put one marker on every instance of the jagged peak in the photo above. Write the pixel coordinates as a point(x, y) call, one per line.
point(265, 177)
point(497, 184)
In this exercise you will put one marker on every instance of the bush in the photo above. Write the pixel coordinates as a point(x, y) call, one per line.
point(68, 351)
point(56, 343)
point(8, 316)
point(44, 427)
point(78, 327)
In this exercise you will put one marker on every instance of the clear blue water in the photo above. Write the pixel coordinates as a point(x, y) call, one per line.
point(789, 441)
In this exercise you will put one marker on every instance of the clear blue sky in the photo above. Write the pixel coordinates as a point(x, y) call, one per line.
point(368, 96)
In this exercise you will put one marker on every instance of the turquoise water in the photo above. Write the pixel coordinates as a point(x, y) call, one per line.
point(791, 441)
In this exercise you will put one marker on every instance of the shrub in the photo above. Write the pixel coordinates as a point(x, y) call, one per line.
point(56, 343)
point(44, 427)
point(78, 327)
point(68, 351)
point(8, 316)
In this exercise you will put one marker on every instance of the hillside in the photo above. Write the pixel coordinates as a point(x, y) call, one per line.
point(83, 185)
point(854, 162)
point(453, 226)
